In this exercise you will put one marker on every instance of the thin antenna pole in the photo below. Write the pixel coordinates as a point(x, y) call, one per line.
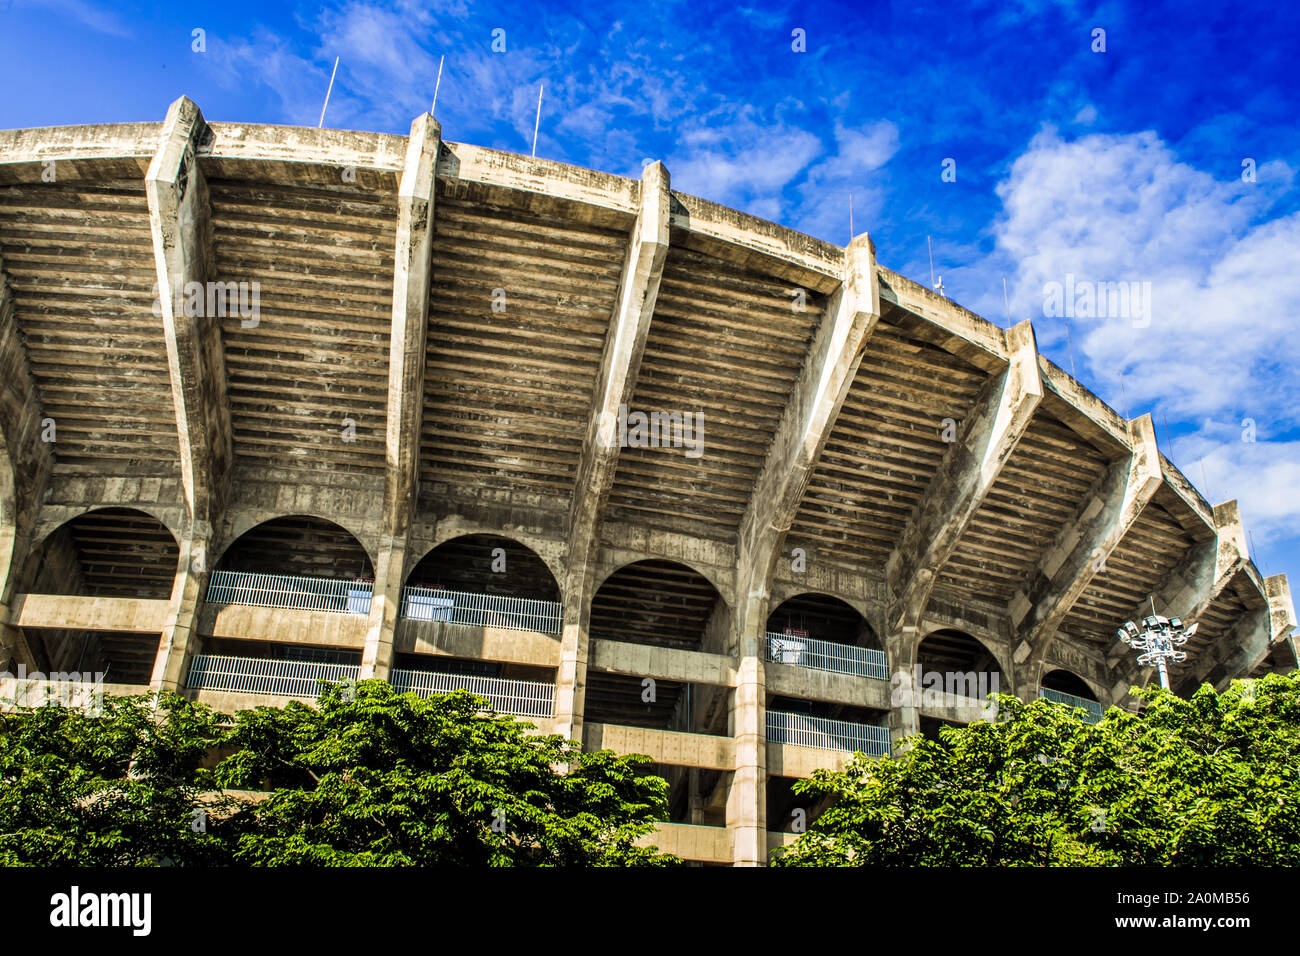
point(1127, 414)
point(1254, 550)
point(327, 94)
point(537, 124)
point(1006, 301)
point(1169, 436)
point(437, 83)
point(1069, 348)
point(931, 250)
point(1205, 480)
point(850, 215)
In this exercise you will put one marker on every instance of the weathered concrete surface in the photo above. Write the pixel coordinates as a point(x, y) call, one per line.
point(285, 625)
point(478, 643)
point(691, 842)
point(663, 663)
point(90, 613)
point(793, 760)
point(663, 746)
point(787, 680)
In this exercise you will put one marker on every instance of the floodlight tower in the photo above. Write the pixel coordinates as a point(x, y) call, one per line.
point(1158, 641)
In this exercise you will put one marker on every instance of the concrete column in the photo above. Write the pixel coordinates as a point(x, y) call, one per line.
point(575, 648)
point(824, 381)
point(390, 573)
point(904, 718)
point(747, 797)
point(13, 552)
point(179, 639)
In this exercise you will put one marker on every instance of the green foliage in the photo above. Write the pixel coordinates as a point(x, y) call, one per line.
point(1210, 781)
point(377, 779)
point(119, 789)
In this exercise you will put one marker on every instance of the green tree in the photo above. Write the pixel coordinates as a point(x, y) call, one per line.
point(391, 779)
point(1209, 781)
point(365, 777)
point(124, 788)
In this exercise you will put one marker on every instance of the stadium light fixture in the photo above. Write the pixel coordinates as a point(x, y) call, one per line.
point(1157, 642)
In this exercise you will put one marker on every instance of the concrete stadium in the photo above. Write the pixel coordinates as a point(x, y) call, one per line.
point(287, 404)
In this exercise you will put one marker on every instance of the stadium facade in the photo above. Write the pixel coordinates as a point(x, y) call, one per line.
point(285, 404)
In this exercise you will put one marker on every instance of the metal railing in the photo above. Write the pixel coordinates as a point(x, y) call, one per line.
point(826, 656)
point(1093, 711)
point(523, 698)
point(786, 728)
point(279, 590)
point(253, 675)
point(480, 610)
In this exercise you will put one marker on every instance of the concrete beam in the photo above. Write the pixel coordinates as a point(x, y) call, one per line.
point(621, 361)
point(412, 272)
point(823, 384)
point(967, 474)
point(1261, 631)
point(624, 346)
point(1081, 548)
point(66, 611)
point(180, 221)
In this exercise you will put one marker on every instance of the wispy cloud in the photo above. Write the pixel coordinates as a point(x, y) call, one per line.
point(82, 11)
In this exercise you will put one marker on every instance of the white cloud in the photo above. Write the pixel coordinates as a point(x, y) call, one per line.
point(1225, 291)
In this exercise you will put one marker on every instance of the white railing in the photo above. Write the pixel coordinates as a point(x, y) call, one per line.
point(1093, 711)
point(826, 656)
point(252, 675)
point(480, 610)
point(279, 590)
point(523, 698)
point(786, 728)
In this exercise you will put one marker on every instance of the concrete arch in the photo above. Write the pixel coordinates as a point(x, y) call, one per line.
point(709, 574)
point(660, 602)
point(243, 522)
point(878, 639)
point(914, 655)
point(1100, 694)
point(138, 549)
point(549, 551)
point(413, 566)
point(219, 555)
point(55, 517)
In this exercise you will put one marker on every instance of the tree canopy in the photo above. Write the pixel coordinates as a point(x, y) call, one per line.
point(366, 777)
point(1213, 780)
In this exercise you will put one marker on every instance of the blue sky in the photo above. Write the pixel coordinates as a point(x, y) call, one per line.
point(1117, 166)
